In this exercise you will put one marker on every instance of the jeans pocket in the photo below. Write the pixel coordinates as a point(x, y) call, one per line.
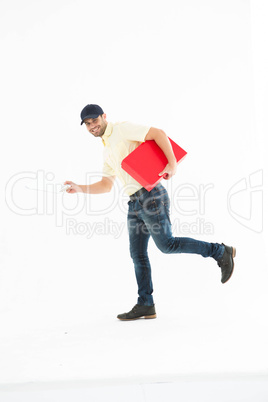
point(165, 204)
point(148, 204)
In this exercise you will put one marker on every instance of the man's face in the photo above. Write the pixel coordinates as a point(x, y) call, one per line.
point(96, 126)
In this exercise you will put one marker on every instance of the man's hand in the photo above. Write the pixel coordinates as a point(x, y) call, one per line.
point(74, 187)
point(103, 186)
point(169, 171)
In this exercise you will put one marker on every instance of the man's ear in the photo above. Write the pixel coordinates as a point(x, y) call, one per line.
point(104, 116)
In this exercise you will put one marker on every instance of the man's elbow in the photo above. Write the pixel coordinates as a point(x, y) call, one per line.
point(154, 134)
point(108, 184)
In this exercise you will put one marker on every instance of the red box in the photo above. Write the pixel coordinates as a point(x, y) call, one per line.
point(146, 162)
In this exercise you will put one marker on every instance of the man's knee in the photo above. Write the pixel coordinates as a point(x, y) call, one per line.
point(166, 246)
point(138, 256)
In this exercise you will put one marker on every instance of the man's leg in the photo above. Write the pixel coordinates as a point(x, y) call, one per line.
point(138, 244)
point(155, 214)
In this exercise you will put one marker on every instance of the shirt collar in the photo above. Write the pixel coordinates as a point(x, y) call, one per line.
point(107, 133)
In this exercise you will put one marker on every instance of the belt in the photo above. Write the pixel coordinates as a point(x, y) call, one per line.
point(138, 193)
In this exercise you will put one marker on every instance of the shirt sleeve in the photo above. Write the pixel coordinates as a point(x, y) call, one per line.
point(107, 170)
point(134, 132)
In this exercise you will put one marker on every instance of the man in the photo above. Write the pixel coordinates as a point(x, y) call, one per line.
point(148, 213)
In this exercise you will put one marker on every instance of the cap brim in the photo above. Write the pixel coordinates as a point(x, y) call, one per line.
point(91, 116)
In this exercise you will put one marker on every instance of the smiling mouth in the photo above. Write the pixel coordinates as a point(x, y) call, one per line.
point(95, 130)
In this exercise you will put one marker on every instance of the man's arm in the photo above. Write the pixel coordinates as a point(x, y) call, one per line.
point(103, 186)
point(160, 137)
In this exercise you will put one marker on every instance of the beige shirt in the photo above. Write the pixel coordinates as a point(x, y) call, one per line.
point(119, 140)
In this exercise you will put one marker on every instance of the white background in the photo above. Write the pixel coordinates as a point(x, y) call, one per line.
point(196, 69)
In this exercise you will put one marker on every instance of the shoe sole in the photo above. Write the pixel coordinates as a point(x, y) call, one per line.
point(133, 319)
point(233, 256)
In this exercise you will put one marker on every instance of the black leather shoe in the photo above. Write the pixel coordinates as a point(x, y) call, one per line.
point(137, 312)
point(226, 263)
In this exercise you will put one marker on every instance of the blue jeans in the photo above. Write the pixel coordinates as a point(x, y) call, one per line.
point(148, 216)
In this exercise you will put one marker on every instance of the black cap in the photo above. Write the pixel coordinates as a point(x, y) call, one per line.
point(91, 112)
